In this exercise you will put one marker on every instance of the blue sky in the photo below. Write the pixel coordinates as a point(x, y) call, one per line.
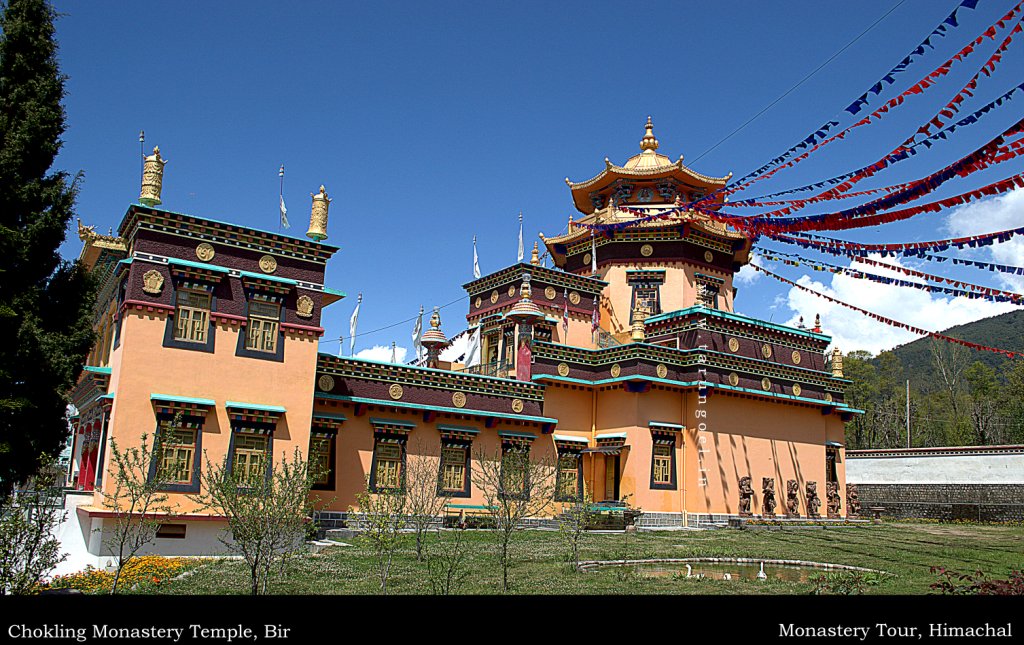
point(433, 122)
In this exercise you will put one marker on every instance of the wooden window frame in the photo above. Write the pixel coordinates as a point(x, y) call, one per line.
point(506, 451)
point(164, 423)
point(381, 440)
point(252, 320)
point(171, 330)
point(465, 490)
point(330, 457)
point(236, 433)
point(559, 477)
point(671, 483)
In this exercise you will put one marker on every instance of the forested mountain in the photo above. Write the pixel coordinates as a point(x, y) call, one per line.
point(958, 396)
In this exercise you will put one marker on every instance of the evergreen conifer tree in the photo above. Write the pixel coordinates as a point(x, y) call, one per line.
point(45, 302)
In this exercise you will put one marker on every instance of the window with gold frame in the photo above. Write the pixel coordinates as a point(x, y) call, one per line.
point(192, 316)
point(249, 461)
point(515, 463)
point(263, 325)
point(568, 484)
point(387, 465)
point(453, 468)
point(177, 453)
point(320, 459)
point(662, 465)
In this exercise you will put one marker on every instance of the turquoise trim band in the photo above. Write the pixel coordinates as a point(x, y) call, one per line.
point(181, 399)
point(254, 406)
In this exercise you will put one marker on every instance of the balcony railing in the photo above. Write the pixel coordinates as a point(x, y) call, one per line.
point(604, 339)
point(497, 368)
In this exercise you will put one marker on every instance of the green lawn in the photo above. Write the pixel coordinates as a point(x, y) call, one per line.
point(907, 550)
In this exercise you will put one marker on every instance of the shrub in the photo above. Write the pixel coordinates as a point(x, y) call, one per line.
point(963, 584)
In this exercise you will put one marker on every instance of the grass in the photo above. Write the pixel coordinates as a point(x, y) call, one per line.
point(907, 550)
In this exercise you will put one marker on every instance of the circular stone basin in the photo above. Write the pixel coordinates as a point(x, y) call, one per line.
point(719, 568)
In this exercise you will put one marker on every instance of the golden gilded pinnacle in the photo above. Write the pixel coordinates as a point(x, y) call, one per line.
point(318, 215)
point(535, 258)
point(649, 142)
point(152, 178)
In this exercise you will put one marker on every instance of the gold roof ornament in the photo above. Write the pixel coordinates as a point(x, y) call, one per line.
point(837, 363)
point(434, 337)
point(649, 142)
point(318, 215)
point(525, 310)
point(535, 256)
point(152, 178)
point(639, 331)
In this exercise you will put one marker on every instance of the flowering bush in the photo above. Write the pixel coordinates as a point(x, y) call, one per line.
point(149, 569)
point(959, 584)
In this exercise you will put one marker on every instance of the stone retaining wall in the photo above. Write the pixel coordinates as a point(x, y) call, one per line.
point(947, 502)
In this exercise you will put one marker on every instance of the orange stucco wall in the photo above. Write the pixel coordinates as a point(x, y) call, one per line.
point(220, 376)
point(355, 442)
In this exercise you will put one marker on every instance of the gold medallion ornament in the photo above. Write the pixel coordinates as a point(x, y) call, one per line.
point(512, 291)
point(796, 357)
point(563, 369)
point(395, 391)
point(494, 296)
point(517, 405)
point(549, 292)
point(616, 370)
point(662, 371)
point(734, 345)
point(587, 258)
point(326, 383)
point(734, 379)
point(796, 389)
point(766, 384)
point(709, 256)
point(766, 350)
point(152, 282)
point(647, 250)
point(205, 252)
point(828, 397)
point(478, 302)
point(574, 297)
point(304, 307)
point(459, 400)
point(268, 264)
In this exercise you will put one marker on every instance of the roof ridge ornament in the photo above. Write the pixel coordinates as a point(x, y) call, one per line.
point(649, 142)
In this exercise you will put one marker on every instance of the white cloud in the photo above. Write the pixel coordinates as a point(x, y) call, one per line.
point(382, 353)
point(999, 213)
point(851, 330)
point(748, 275)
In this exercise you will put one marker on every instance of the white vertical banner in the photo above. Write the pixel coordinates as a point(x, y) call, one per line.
point(473, 348)
point(352, 326)
point(521, 253)
point(476, 260)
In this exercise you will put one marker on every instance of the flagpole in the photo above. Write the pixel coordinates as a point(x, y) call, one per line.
point(280, 173)
point(142, 150)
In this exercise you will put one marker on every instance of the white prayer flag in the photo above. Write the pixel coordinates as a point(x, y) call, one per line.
point(521, 255)
point(417, 334)
point(284, 214)
point(352, 326)
point(473, 348)
point(593, 254)
point(393, 359)
point(476, 260)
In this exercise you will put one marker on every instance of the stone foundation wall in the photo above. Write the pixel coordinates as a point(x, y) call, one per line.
point(946, 502)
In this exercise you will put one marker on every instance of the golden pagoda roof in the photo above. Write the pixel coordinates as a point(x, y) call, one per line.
point(649, 164)
point(96, 243)
point(612, 215)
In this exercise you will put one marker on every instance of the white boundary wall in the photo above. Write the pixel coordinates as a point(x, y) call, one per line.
point(995, 465)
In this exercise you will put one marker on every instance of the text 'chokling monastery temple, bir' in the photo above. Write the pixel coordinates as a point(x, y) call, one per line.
point(209, 335)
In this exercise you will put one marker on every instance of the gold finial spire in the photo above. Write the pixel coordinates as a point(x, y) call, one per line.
point(837, 363)
point(152, 178)
point(649, 142)
point(535, 258)
point(318, 216)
